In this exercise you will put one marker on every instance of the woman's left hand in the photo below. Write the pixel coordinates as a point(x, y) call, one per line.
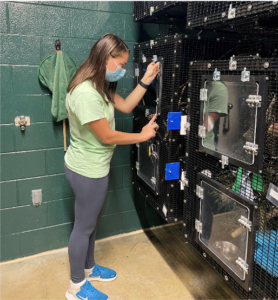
point(151, 72)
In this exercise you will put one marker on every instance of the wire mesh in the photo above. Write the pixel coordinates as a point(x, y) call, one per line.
point(171, 29)
point(177, 52)
point(167, 12)
point(239, 16)
point(265, 271)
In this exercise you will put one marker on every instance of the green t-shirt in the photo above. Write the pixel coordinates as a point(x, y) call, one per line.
point(218, 103)
point(87, 155)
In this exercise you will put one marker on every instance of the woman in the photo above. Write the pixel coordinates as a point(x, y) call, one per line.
point(90, 102)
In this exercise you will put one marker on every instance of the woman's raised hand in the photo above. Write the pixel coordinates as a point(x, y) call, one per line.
point(151, 72)
point(149, 131)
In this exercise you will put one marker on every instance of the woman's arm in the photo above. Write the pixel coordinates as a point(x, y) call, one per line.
point(108, 136)
point(128, 104)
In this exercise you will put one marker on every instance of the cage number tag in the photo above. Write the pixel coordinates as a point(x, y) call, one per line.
point(164, 209)
point(183, 125)
point(272, 194)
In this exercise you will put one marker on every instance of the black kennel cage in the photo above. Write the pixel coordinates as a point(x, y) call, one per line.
point(240, 16)
point(167, 96)
point(231, 192)
point(168, 12)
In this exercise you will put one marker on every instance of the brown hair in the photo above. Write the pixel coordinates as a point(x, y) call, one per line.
point(94, 68)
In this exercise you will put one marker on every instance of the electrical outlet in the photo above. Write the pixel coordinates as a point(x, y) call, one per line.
point(37, 197)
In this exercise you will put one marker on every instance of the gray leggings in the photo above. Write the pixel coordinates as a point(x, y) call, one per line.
point(89, 198)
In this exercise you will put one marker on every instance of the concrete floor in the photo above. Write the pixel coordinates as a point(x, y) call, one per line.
point(156, 264)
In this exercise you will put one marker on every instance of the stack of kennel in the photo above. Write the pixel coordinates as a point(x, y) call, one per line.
point(217, 108)
point(157, 176)
point(230, 214)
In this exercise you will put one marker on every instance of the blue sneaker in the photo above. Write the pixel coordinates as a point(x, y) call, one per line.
point(85, 292)
point(100, 274)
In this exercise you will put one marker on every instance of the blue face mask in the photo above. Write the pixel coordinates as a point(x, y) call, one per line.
point(115, 76)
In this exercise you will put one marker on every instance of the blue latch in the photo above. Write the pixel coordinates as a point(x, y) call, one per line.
point(172, 171)
point(174, 120)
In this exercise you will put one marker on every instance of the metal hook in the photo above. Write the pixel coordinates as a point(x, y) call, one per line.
point(57, 45)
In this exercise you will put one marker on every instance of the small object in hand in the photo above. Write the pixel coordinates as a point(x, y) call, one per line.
point(158, 71)
point(150, 116)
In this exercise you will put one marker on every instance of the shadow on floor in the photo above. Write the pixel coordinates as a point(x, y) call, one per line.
point(193, 271)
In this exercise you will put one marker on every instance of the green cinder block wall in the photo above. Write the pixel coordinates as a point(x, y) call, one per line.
point(34, 159)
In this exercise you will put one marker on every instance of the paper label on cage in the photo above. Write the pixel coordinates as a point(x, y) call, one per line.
point(183, 123)
point(182, 180)
point(164, 209)
point(272, 194)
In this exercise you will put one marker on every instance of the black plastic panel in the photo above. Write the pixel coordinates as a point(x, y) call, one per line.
point(148, 163)
point(236, 119)
point(222, 238)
